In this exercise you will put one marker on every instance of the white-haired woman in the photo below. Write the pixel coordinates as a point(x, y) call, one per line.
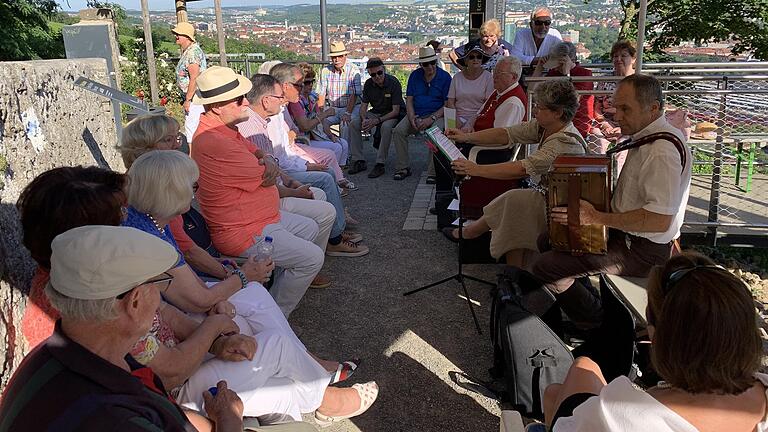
point(517, 217)
point(282, 377)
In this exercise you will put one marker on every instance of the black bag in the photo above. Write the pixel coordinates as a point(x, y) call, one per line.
point(197, 230)
point(527, 353)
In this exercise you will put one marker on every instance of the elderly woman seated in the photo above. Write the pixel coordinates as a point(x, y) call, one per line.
point(517, 217)
point(706, 347)
point(176, 345)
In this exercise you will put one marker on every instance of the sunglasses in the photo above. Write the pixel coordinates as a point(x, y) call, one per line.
point(239, 99)
point(431, 63)
point(195, 187)
point(677, 275)
point(309, 82)
point(379, 73)
point(474, 57)
point(165, 278)
point(542, 23)
point(298, 85)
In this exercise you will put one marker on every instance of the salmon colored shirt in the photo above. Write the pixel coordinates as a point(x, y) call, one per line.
point(39, 316)
point(235, 204)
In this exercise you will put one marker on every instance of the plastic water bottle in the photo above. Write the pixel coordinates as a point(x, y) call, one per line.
point(264, 250)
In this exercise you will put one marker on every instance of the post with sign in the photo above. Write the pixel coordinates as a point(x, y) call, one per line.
point(481, 11)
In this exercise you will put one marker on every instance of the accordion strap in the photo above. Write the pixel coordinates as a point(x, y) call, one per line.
point(664, 136)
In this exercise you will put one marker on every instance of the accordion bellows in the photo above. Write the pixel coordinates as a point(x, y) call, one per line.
point(575, 177)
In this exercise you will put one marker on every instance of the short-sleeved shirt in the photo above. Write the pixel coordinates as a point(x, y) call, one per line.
point(470, 95)
point(503, 48)
point(428, 97)
point(338, 87)
point(232, 198)
point(566, 141)
point(192, 55)
point(183, 241)
point(142, 221)
point(524, 46)
point(653, 178)
point(382, 98)
point(160, 333)
point(61, 385)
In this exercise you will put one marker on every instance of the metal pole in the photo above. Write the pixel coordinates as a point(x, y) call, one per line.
point(150, 52)
point(641, 34)
point(220, 33)
point(714, 193)
point(181, 11)
point(324, 31)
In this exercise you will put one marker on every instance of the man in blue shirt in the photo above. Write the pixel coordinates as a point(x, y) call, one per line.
point(426, 94)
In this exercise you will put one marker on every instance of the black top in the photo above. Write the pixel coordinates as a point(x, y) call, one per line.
point(381, 99)
point(61, 386)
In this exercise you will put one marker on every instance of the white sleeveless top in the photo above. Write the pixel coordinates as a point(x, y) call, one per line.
point(621, 407)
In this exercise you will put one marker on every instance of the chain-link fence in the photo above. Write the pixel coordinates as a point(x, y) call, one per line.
point(727, 120)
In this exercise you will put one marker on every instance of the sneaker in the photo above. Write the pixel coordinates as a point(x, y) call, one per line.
point(358, 166)
point(346, 184)
point(351, 237)
point(320, 281)
point(346, 249)
point(377, 171)
point(343, 192)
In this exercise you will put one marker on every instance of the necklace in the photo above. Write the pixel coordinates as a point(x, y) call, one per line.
point(157, 225)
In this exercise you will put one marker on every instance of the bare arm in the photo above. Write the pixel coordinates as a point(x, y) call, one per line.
point(201, 260)
point(450, 103)
point(190, 294)
point(501, 171)
point(410, 110)
point(488, 137)
point(194, 72)
point(639, 220)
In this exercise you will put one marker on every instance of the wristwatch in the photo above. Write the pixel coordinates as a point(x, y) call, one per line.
point(433, 117)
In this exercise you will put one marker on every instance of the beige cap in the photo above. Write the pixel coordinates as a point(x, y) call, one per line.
point(220, 84)
point(184, 29)
point(100, 262)
point(337, 49)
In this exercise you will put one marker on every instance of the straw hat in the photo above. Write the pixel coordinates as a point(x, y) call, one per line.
point(426, 54)
point(337, 49)
point(704, 130)
point(184, 29)
point(220, 84)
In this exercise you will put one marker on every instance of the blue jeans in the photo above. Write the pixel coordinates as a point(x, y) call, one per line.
point(326, 181)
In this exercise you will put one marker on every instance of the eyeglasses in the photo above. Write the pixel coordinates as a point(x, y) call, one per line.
point(498, 72)
point(281, 97)
point(431, 63)
point(239, 99)
point(337, 57)
point(379, 73)
point(164, 280)
point(298, 85)
point(677, 275)
point(172, 138)
point(474, 57)
point(542, 23)
point(195, 187)
point(309, 82)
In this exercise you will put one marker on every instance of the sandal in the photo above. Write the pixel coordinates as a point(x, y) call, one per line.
point(431, 179)
point(368, 393)
point(345, 370)
point(402, 174)
point(346, 184)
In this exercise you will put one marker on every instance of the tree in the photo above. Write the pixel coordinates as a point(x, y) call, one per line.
point(671, 22)
point(24, 30)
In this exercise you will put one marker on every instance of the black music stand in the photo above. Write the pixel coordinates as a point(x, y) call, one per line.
point(459, 276)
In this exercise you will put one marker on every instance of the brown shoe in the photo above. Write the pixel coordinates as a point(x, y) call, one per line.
point(351, 237)
point(320, 281)
point(346, 249)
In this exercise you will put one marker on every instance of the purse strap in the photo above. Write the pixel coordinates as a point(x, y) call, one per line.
point(663, 136)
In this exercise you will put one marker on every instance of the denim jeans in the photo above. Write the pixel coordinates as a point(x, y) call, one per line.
point(326, 181)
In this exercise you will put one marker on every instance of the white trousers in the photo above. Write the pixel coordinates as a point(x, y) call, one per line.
point(297, 259)
point(340, 149)
point(320, 211)
point(191, 120)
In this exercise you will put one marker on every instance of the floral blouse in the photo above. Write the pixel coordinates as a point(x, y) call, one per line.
point(192, 55)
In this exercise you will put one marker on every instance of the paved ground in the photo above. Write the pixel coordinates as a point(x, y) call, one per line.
point(408, 344)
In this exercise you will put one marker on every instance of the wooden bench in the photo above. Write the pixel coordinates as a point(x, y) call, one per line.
point(632, 292)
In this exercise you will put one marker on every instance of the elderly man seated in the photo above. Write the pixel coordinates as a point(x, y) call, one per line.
point(266, 126)
point(535, 42)
point(508, 104)
point(425, 98)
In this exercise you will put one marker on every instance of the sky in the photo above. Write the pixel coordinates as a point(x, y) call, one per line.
point(75, 5)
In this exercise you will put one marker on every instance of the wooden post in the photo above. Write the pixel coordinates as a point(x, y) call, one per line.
point(150, 52)
point(220, 32)
point(181, 11)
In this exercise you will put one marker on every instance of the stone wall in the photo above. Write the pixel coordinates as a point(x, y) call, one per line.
point(45, 122)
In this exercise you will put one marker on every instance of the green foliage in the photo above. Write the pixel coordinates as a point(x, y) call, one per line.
point(24, 30)
point(118, 10)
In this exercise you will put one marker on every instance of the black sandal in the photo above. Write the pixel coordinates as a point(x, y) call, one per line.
point(402, 174)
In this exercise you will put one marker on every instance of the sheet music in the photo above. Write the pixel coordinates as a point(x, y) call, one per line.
point(446, 146)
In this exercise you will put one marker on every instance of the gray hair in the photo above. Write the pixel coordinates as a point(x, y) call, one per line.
point(562, 50)
point(285, 72)
point(267, 65)
point(81, 310)
point(262, 85)
point(515, 65)
point(558, 95)
point(161, 183)
point(538, 9)
point(647, 89)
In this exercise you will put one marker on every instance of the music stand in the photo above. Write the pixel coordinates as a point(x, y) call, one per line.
point(459, 276)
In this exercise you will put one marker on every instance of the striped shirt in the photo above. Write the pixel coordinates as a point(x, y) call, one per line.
point(255, 130)
point(61, 386)
point(339, 86)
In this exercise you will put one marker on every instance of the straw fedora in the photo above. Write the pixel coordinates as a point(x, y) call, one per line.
point(337, 49)
point(184, 29)
point(426, 54)
point(220, 84)
point(704, 130)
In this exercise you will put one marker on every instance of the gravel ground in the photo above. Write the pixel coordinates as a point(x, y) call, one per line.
point(408, 344)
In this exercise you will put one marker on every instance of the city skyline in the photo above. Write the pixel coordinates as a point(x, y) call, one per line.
point(166, 5)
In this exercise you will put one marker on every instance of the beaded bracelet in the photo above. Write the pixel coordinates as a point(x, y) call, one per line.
point(241, 275)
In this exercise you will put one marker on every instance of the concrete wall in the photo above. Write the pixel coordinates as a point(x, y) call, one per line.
point(45, 122)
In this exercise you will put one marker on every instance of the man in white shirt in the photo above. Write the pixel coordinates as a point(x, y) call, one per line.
point(647, 207)
point(508, 104)
point(535, 42)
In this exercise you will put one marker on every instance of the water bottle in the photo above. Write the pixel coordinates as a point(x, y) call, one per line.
point(264, 250)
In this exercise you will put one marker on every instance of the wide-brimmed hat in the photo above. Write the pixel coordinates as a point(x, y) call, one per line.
point(184, 29)
point(337, 49)
point(704, 130)
point(220, 84)
point(472, 47)
point(100, 262)
point(426, 54)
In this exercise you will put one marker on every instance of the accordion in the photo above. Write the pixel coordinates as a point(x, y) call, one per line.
point(571, 178)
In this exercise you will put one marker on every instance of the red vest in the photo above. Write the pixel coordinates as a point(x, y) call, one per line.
point(487, 115)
